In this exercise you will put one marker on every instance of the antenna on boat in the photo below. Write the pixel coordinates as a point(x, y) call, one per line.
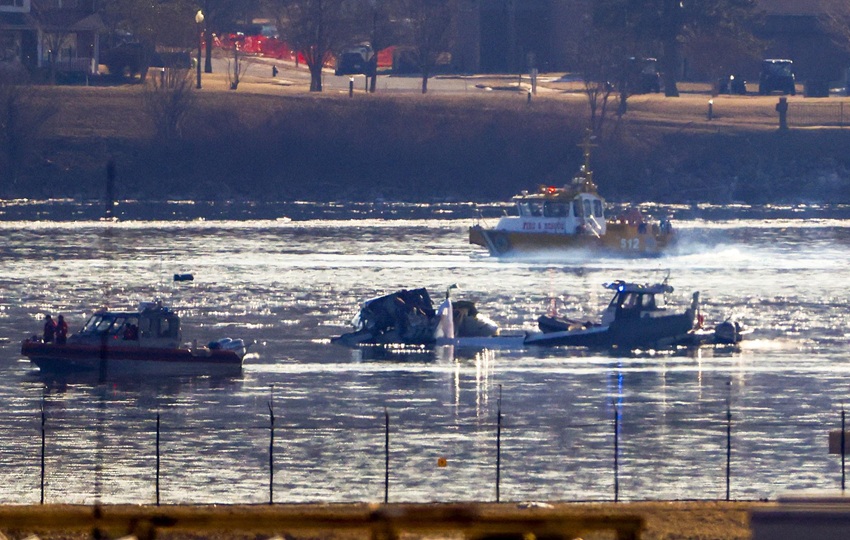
point(449, 289)
point(666, 278)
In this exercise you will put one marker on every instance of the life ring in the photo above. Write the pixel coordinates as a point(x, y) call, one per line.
point(501, 243)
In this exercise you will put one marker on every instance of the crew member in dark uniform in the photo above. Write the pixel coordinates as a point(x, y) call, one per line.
point(49, 329)
point(61, 331)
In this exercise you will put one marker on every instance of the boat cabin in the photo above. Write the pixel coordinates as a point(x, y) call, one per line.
point(575, 208)
point(634, 300)
point(153, 325)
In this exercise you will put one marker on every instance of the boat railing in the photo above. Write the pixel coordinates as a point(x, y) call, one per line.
point(595, 227)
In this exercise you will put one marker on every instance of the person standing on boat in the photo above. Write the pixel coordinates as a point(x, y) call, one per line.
point(61, 331)
point(49, 329)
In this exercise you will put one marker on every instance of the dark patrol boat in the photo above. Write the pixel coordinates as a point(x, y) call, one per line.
point(147, 340)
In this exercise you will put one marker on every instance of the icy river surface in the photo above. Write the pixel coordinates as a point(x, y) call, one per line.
point(290, 277)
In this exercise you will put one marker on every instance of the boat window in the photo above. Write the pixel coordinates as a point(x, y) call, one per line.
point(535, 208)
point(587, 210)
point(555, 209)
point(577, 208)
point(523, 209)
point(91, 324)
point(104, 324)
point(168, 327)
point(144, 327)
point(597, 208)
point(117, 325)
point(648, 301)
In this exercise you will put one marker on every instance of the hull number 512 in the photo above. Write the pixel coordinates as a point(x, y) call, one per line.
point(631, 244)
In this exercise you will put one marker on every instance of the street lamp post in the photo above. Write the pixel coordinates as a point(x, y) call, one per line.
point(199, 20)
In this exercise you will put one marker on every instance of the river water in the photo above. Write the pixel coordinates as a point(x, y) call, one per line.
point(289, 277)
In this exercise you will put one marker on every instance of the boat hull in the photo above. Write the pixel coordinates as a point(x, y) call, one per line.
point(50, 357)
point(624, 333)
point(620, 239)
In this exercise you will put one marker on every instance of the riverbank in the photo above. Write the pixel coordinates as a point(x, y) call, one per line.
point(661, 520)
point(272, 141)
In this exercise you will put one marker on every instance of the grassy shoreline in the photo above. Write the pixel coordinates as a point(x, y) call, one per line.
point(273, 142)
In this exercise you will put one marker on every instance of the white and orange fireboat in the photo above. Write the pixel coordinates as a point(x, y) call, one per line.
point(572, 217)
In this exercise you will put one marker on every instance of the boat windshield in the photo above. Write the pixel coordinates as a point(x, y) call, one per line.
point(637, 301)
point(555, 209)
point(530, 208)
point(100, 323)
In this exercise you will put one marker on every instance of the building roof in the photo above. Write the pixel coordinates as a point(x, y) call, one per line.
point(16, 21)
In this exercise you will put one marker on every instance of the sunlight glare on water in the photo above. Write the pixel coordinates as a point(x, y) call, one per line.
point(289, 285)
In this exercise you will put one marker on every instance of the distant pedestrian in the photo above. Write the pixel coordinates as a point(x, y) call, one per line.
point(49, 329)
point(61, 331)
point(274, 71)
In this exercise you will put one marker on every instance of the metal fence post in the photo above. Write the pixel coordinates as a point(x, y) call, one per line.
point(43, 447)
point(271, 453)
point(386, 456)
point(616, 453)
point(157, 457)
point(498, 443)
point(728, 448)
point(843, 434)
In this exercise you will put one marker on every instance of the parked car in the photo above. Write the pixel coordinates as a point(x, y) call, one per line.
point(357, 60)
point(777, 74)
point(641, 76)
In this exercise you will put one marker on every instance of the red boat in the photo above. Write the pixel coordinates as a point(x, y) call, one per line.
point(144, 341)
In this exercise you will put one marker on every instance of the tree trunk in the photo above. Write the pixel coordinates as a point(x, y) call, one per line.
point(316, 77)
point(671, 67)
point(208, 53)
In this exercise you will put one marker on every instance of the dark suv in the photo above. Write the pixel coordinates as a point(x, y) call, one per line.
point(640, 76)
point(777, 75)
point(357, 60)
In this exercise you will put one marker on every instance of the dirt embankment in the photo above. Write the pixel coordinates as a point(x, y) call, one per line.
point(276, 143)
point(654, 520)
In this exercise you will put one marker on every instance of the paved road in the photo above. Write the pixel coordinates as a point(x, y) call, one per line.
point(261, 68)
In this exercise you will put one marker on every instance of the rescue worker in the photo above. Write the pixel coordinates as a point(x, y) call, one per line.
point(49, 329)
point(61, 331)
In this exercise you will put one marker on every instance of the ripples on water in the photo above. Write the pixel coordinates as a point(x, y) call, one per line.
point(291, 284)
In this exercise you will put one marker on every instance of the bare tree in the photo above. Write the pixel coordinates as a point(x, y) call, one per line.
point(23, 116)
point(168, 97)
point(381, 18)
point(315, 29)
point(601, 66)
point(430, 30)
point(235, 68)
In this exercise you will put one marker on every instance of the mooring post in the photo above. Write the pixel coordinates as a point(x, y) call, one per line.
point(271, 453)
point(842, 447)
point(157, 458)
point(728, 448)
point(616, 453)
point(43, 446)
point(350, 86)
point(498, 443)
point(386, 456)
